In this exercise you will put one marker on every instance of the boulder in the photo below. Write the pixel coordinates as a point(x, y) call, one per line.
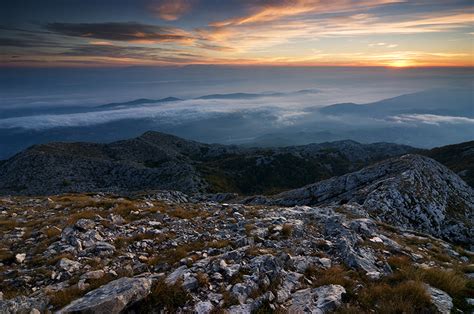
point(203, 307)
point(20, 258)
point(290, 283)
point(84, 224)
point(318, 300)
point(112, 297)
point(22, 305)
point(69, 265)
point(94, 274)
point(177, 274)
point(240, 309)
point(440, 299)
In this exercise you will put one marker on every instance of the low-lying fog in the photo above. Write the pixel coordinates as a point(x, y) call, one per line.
point(251, 106)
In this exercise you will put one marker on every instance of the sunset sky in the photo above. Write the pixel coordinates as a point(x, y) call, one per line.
point(60, 33)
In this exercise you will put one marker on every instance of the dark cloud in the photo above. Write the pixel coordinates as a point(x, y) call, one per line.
point(15, 42)
point(27, 41)
point(113, 51)
point(134, 52)
point(130, 31)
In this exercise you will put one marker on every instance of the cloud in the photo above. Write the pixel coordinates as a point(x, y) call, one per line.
point(301, 23)
point(286, 109)
point(267, 32)
point(266, 11)
point(430, 119)
point(101, 43)
point(113, 51)
point(170, 10)
point(25, 41)
point(116, 31)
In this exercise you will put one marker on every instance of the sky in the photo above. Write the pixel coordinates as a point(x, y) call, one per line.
point(110, 33)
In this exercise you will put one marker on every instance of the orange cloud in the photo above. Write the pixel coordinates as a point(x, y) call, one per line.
point(251, 37)
point(101, 43)
point(276, 10)
point(171, 10)
point(285, 32)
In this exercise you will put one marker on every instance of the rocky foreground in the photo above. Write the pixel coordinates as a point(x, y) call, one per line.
point(166, 251)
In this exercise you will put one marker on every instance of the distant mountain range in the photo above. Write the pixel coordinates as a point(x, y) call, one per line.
point(136, 102)
point(425, 119)
point(160, 161)
point(458, 102)
point(258, 95)
point(20, 112)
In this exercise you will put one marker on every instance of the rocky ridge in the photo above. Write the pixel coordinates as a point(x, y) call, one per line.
point(458, 157)
point(411, 192)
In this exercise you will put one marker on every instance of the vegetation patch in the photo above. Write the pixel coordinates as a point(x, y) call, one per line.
point(163, 297)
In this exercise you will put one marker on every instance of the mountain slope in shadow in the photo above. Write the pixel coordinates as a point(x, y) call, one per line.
point(160, 161)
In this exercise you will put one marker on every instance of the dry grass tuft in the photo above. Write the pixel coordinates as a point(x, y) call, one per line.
point(86, 214)
point(63, 297)
point(51, 232)
point(163, 297)
point(6, 256)
point(449, 281)
point(203, 279)
point(336, 275)
point(287, 230)
point(57, 258)
point(406, 297)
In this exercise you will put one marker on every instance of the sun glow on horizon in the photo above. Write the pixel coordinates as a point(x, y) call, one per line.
point(387, 33)
point(401, 63)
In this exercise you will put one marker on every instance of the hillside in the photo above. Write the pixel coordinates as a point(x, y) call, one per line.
point(459, 158)
point(411, 192)
point(160, 161)
point(392, 237)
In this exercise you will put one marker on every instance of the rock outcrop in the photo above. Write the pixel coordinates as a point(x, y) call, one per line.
point(412, 192)
point(112, 297)
point(318, 300)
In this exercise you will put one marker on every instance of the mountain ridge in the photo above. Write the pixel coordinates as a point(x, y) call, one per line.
point(429, 102)
point(152, 160)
